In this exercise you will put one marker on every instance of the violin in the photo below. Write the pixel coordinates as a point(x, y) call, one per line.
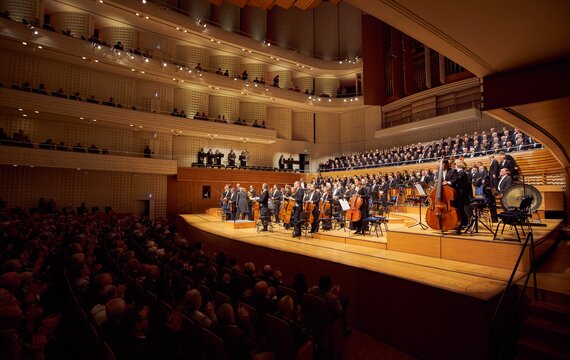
point(441, 214)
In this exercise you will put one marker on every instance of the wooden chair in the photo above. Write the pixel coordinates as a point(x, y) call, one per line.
point(221, 298)
point(284, 290)
point(254, 319)
point(281, 342)
point(212, 345)
point(329, 330)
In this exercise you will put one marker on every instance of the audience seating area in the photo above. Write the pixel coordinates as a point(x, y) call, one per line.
point(468, 146)
point(107, 286)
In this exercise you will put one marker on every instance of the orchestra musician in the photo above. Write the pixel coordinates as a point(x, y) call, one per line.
point(201, 156)
point(242, 203)
point(233, 203)
point(360, 190)
point(209, 158)
point(287, 193)
point(277, 197)
point(298, 195)
point(232, 158)
point(326, 198)
point(505, 181)
point(314, 197)
point(243, 159)
point(224, 199)
point(264, 212)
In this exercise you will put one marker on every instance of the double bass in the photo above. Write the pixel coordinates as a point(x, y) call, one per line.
point(441, 214)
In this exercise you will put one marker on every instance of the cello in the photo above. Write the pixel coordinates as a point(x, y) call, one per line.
point(308, 207)
point(441, 214)
point(353, 214)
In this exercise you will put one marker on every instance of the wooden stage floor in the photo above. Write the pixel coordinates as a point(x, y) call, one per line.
point(401, 252)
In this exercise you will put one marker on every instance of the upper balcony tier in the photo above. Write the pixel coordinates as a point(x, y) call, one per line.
point(61, 109)
point(171, 22)
point(20, 38)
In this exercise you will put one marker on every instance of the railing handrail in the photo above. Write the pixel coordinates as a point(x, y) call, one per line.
point(531, 271)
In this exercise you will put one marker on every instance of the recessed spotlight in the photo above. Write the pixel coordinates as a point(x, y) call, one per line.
point(81, 118)
point(144, 1)
point(356, 99)
point(140, 126)
point(132, 69)
point(36, 32)
point(146, 17)
point(37, 112)
point(344, 100)
point(40, 47)
point(146, 60)
point(137, 14)
point(101, 1)
point(142, 72)
point(330, 100)
point(94, 120)
point(84, 58)
point(15, 165)
point(32, 166)
point(174, 79)
point(20, 109)
point(96, 60)
point(99, 47)
point(79, 169)
point(185, 30)
point(24, 43)
point(219, 42)
point(24, 115)
point(131, 125)
point(177, 28)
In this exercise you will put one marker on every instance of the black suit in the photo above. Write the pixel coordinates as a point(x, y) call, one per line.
point(297, 210)
point(494, 170)
point(464, 194)
point(264, 213)
point(277, 197)
point(504, 183)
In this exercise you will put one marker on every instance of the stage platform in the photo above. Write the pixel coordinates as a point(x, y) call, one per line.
point(392, 280)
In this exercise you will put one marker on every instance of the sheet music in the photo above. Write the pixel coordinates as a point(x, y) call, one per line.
point(420, 189)
point(344, 204)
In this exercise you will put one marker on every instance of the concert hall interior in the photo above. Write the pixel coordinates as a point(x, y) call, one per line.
point(280, 179)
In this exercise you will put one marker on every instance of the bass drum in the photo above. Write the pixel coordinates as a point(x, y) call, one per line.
point(513, 196)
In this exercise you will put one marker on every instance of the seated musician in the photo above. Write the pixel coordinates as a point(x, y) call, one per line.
point(326, 216)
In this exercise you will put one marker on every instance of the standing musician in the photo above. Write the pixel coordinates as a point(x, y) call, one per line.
point(298, 195)
point(264, 212)
point(232, 158)
point(464, 192)
point(233, 203)
point(242, 203)
point(277, 197)
point(224, 199)
point(287, 193)
point(360, 191)
point(326, 198)
point(314, 197)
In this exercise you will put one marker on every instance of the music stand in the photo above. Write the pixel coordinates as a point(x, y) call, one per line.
point(421, 193)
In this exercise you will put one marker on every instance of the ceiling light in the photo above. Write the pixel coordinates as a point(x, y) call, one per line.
point(24, 115)
point(15, 165)
point(330, 100)
point(94, 120)
point(131, 125)
point(20, 109)
point(142, 72)
point(146, 17)
point(84, 58)
point(40, 47)
point(24, 43)
point(81, 118)
point(144, 1)
point(36, 32)
point(137, 14)
point(132, 69)
point(140, 126)
point(177, 28)
point(96, 60)
point(37, 112)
